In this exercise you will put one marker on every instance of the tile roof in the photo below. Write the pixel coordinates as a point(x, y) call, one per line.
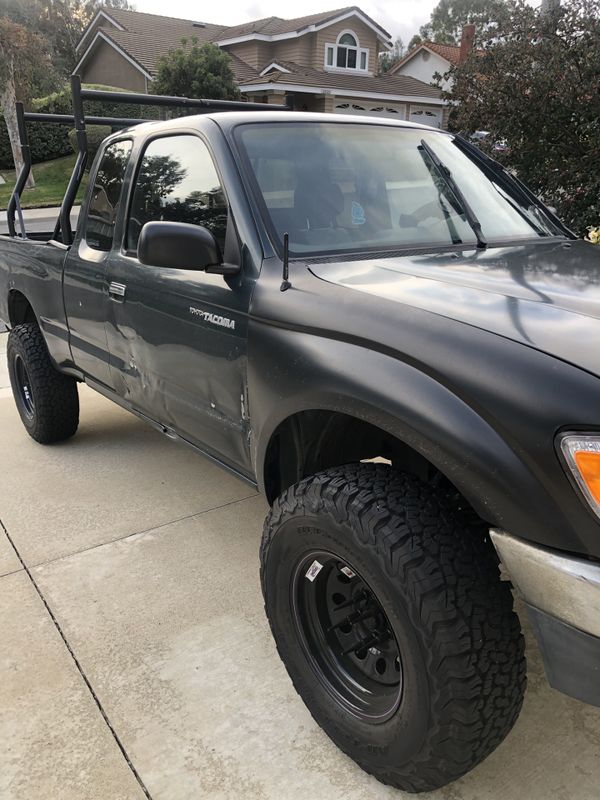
point(243, 72)
point(145, 49)
point(158, 25)
point(272, 26)
point(450, 52)
point(174, 29)
point(378, 84)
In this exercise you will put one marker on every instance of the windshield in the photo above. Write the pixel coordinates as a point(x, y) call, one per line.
point(336, 187)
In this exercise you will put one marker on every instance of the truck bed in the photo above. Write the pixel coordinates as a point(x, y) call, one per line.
point(36, 267)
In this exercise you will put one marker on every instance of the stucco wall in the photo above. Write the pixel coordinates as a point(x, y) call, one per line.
point(105, 65)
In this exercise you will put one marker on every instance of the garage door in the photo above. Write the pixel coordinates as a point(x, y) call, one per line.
point(426, 116)
point(391, 110)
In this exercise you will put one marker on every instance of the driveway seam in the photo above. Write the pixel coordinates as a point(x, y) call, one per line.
point(13, 571)
point(140, 533)
point(90, 688)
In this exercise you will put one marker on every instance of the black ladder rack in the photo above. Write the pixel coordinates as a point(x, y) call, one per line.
point(79, 120)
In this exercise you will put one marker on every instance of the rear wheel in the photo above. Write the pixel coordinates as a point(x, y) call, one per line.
point(391, 619)
point(46, 399)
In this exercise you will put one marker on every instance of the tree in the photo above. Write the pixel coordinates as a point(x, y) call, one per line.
point(389, 57)
point(416, 40)
point(21, 51)
point(196, 70)
point(450, 16)
point(536, 86)
point(63, 23)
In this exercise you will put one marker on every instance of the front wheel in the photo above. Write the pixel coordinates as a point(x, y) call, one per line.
point(393, 624)
point(47, 400)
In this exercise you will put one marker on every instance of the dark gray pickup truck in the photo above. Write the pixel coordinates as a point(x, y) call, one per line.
point(397, 343)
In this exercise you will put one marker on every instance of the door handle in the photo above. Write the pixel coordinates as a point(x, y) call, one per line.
point(117, 291)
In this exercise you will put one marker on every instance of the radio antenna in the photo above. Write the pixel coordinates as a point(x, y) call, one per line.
point(285, 284)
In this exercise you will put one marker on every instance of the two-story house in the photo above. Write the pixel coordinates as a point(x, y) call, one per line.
point(322, 62)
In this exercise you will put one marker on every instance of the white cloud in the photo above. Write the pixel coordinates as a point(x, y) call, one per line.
point(402, 18)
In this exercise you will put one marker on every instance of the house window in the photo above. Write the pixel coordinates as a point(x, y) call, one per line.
point(346, 53)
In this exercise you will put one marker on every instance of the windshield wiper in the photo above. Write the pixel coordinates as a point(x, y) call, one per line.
point(513, 184)
point(446, 176)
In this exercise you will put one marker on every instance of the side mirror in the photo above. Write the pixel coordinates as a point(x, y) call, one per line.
point(179, 245)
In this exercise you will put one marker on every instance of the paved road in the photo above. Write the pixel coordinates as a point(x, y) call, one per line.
point(132, 618)
point(38, 220)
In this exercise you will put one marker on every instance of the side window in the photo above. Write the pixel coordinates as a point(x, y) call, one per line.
point(177, 182)
point(106, 196)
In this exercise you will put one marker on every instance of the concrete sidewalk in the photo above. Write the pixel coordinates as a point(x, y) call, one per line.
point(135, 658)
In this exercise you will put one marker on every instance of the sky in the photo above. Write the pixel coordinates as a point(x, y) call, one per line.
point(400, 17)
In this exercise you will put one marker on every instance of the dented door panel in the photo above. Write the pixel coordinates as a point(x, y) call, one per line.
point(177, 342)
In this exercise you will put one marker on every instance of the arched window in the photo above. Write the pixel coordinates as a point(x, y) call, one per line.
point(346, 53)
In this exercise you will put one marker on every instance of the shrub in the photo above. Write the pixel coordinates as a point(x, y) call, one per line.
point(96, 134)
point(52, 141)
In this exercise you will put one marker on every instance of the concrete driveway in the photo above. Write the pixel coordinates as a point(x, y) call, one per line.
point(135, 657)
point(39, 220)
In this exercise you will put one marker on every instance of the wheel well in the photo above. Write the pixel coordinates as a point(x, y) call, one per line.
point(312, 441)
point(19, 309)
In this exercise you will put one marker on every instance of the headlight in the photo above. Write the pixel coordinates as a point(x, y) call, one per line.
point(582, 454)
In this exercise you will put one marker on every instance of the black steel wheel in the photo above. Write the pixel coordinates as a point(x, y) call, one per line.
point(23, 386)
point(47, 400)
point(347, 636)
point(388, 612)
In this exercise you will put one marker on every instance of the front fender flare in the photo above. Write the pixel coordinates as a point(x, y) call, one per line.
point(290, 372)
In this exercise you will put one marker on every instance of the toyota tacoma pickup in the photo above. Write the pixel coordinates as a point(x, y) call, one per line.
point(399, 345)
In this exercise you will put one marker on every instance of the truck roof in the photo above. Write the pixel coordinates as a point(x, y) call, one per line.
point(229, 119)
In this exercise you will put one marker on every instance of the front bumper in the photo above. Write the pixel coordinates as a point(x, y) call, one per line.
point(562, 595)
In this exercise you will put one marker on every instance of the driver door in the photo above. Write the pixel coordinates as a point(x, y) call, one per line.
point(177, 337)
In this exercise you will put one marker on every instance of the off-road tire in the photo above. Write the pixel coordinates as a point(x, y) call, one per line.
point(437, 578)
point(49, 404)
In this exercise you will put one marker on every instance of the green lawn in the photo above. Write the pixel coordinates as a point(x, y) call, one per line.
point(51, 180)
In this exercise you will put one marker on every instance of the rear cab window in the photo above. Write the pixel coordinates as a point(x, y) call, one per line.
point(106, 196)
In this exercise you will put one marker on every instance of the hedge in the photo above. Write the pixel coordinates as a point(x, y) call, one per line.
point(96, 134)
point(52, 141)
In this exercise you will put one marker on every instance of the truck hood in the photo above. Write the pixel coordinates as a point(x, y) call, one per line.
point(545, 294)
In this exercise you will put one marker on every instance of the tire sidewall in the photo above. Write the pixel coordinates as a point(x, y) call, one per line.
point(15, 349)
point(396, 740)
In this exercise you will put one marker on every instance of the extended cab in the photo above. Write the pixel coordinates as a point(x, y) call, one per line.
point(396, 342)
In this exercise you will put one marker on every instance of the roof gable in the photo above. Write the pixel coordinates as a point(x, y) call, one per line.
point(143, 51)
point(449, 52)
point(94, 24)
point(155, 26)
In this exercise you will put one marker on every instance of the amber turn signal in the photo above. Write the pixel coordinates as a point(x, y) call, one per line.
point(588, 465)
point(582, 453)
